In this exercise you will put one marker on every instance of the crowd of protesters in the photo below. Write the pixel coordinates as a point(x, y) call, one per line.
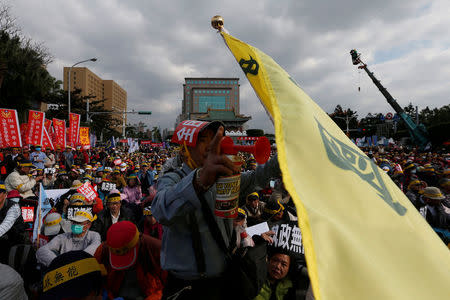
point(147, 234)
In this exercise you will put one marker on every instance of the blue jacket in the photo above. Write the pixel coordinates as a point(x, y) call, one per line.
point(141, 175)
point(176, 199)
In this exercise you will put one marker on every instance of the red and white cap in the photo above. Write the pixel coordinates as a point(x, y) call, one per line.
point(188, 130)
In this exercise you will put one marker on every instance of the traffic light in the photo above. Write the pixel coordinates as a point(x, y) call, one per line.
point(144, 112)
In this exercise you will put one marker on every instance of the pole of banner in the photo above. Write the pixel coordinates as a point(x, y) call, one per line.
point(217, 23)
point(123, 124)
point(87, 111)
point(39, 216)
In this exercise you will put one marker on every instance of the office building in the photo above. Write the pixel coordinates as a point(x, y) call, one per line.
point(92, 85)
point(209, 99)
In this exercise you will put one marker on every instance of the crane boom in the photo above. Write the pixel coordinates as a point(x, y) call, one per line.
point(418, 133)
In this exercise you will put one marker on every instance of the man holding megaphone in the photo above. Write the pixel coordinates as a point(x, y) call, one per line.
point(186, 205)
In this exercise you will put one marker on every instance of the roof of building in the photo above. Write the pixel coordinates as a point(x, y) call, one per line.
point(223, 115)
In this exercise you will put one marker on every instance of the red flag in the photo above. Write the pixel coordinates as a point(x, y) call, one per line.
point(74, 129)
point(9, 129)
point(88, 191)
point(23, 132)
point(47, 125)
point(59, 138)
point(46, 141)
point(84, 137)
point(35, 127)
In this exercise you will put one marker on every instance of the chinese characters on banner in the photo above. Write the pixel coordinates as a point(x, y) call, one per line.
point(59, 138)
point(35, 127)
point(10, 130)
point(288, 236)
point(23, 133)
point(84, 137)
point(108, 186)
point(74, 129)
point(47, 125)
point(28, 213)
point(187, 132)
point(46, 141)
point(88, 191)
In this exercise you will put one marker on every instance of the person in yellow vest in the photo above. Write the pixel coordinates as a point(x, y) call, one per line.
point(278, 285)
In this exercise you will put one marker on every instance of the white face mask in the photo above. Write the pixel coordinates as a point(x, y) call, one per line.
point(15, 200)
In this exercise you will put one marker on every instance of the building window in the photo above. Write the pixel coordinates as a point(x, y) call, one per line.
point(214, 102)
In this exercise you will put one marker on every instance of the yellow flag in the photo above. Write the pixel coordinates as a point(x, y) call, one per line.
point(363, 238)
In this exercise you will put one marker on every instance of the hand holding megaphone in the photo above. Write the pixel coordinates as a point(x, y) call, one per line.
point(214, 165)
point(218, 164)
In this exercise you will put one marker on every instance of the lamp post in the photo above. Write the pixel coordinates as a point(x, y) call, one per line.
point(68, 80)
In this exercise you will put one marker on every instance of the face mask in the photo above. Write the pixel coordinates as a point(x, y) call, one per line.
point(38, 149)
point(77, 229)
point(15, 200)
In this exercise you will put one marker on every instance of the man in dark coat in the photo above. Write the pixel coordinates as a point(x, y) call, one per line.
point(113, 213)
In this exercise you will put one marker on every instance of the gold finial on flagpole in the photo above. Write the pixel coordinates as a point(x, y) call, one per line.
point(217, 23)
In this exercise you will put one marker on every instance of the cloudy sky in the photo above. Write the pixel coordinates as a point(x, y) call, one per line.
point(149, 47)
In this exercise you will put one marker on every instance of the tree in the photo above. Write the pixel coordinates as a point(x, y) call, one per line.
point(23, 74)
point(339, 116)
point(156, 134)
point(255, 132)
point(100, 123)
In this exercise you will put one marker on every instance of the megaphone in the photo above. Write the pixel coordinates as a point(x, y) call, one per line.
point(260, 150)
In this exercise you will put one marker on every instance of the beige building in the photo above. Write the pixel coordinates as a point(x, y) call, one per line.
point(91, 84)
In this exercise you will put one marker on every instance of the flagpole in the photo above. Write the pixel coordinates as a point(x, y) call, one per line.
point(39, 216)
point(217, 23)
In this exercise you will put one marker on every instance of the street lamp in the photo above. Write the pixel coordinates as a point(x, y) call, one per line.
point(68, 82)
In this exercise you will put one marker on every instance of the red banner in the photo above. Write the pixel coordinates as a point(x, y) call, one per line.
point(247, 138)
point(59, 138)
point(47, 124)
point(84, 137)
point(46, 141)
point(123, 141)
point(10, 130)
point(35, 127)
point(157, 144)
point(88, 191)
point(74, 129)
point(23, 132)
point(28, 213)
point(146, 142)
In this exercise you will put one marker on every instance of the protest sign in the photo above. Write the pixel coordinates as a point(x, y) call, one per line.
point(10, 130)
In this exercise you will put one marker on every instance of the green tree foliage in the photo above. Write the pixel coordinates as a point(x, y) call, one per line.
point(340, 117)
point(156, 134)
point(100, 123)
point(255, 132)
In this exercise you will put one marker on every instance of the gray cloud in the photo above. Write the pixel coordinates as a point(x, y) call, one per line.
point(148, 47)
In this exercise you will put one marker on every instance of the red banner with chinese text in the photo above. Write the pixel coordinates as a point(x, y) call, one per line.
point(84, 137)
point(35, 131)
point(46, 141)
point(28, 213)
point(88, 191)
point(59, 138)
point(47, 125)
point(74, 129)
point(10, 130)
point(23, 133)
